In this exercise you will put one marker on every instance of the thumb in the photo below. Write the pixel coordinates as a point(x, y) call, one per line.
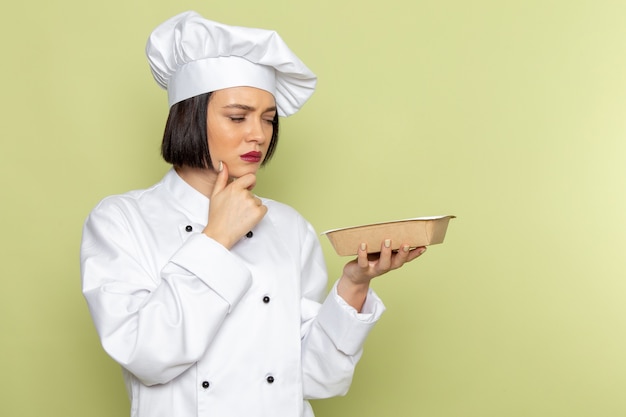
point(222, 178)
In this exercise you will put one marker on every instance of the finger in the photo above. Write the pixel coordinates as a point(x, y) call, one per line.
point(401, 256)
point(246, 182)
point(416, 253)
point(362, 260)
point(405, 254)
point(256, 201)
point(384, 261)
point(263, 210)
point(222, 179)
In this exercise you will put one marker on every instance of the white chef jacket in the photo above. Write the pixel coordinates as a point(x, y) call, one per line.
point(200, 330)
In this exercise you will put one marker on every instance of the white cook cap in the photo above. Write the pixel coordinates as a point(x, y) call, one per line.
point(190, 55)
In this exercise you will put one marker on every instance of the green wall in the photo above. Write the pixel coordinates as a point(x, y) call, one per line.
point(509, 114)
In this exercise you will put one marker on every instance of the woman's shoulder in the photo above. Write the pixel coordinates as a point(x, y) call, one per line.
point(296, 232)
point(281, 209)
point(127, 201)
point(282, 213)
point(277, 206)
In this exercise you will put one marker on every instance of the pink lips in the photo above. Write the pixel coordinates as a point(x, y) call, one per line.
point(253, 156)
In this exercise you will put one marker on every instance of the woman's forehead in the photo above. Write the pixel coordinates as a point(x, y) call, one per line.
point(252, 97)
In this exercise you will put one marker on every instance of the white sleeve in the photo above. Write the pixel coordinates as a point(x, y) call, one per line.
point(335, 334)
point(155, 326)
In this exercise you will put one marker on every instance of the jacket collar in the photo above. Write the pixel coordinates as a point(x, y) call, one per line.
point(190, 200)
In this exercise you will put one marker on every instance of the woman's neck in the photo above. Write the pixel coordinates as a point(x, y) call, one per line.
point(201, 179)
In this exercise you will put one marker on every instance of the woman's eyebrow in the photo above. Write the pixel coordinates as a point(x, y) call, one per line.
point(247, 108)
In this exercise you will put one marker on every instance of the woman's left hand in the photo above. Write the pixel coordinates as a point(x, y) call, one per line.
point(358, 273)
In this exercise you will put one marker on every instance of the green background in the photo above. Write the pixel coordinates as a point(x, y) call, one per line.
point(509, 114)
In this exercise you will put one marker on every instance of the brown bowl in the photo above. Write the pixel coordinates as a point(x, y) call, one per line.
point(421, 231)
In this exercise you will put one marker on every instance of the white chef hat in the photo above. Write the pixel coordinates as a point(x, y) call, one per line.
point(190, 55)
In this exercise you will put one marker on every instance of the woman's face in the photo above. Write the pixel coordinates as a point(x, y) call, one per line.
point(239, 128)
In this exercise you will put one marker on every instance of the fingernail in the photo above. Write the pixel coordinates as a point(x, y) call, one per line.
point(221, 167)
point(363, 246)
point(405, 248)
point(387, 243)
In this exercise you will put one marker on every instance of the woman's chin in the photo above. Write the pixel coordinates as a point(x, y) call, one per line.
point(241, 171)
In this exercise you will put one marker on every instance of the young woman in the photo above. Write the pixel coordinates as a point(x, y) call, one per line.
point(209, 297)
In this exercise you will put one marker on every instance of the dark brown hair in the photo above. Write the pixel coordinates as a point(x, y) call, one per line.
point(185, 141)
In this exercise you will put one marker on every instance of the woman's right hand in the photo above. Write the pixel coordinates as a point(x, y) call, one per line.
point(233, 210)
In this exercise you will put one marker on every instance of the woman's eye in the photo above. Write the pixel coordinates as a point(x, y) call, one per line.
point(237, 119)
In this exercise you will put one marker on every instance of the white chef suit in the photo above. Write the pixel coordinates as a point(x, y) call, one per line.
point(200, 330)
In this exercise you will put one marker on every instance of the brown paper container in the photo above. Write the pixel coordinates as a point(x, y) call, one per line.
point(421, 231)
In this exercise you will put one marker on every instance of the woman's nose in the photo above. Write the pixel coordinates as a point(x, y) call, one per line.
point(257, 132)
